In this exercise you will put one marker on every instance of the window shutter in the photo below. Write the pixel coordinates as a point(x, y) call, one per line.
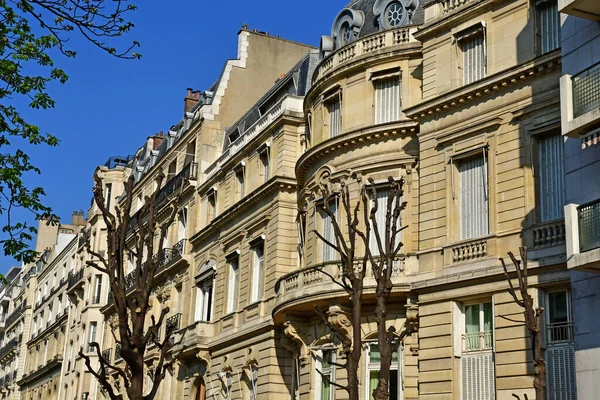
point(551, 173)
point(549, 27)
point(478, 376)
point(335, 118)
point(561, 373)
point(457, 328)
point(474, 220)
point(387, 100)
point(473, 58)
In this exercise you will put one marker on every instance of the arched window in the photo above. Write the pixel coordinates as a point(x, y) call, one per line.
point(200, 388)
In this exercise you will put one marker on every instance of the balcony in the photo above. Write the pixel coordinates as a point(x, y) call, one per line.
point(17, 312)
point(188, 173)
point(588, 9)
point(8, 347)
point(193, 339)
point(302, 289)
point(583, 236)
point(580, 95)
point(75, 280)
point(477, 341)
point(106, 354)
point(118, 353)
point(172, 323)
point(561, 332)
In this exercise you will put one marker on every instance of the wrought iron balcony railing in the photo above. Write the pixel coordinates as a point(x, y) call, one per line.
point(106, 354)
point(75, 278)
point(172, 323)
point(189, 172)
point(589, 226)
point(586, 91)
point(118, 352)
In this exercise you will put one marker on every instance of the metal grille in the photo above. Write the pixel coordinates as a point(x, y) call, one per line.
point(589, 226)
point(586, 91)
point(550, 27)
point(552, 177)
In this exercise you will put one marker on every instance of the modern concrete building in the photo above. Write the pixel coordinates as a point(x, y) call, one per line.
point(580, 104)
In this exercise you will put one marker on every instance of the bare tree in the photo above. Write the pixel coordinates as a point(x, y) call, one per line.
point(352, 276)
point(353, 272)
point(136, 237)
point(533, 319)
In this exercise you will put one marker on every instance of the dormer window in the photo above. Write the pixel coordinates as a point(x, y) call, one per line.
point(346, 33)
point(394, 14)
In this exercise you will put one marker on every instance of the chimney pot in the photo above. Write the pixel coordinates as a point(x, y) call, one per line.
point(189, 92)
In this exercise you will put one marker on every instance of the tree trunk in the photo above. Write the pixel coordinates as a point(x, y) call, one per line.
point(382, 392)
point(355, 355)
point(136, 388)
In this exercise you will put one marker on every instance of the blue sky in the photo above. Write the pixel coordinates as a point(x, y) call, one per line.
point(109, 106)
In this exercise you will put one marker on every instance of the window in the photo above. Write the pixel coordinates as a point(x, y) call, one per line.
point(107, 195)
point(549, 21)
point(380, 216)
point(258, 272)
point(325, 390)
point(227, 382)
point(387, 100)
point(264, 162)
point(329, 253)
point(559, 322)
point(394, 14)
point(474, 220)
point(97, 290)
point(373, 358)
point(211, 211)
point(182, 225)
point(240, 182)
point(560, 350)
point(335, 117)
point(204, 299)
point(472, 44)
point(93, 328)
point(551, 177)
point(232, 294)
point(478, 334)
point(252, 380)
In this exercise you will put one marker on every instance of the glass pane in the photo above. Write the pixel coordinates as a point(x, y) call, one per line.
point(373, 380)
point(326, 363)
point(472, 328)
point(488, 316)
point(558, 307)
point(325, 389)
point(374, 354)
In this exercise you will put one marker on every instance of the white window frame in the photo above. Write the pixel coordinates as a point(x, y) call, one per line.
point(381, 216)
point(335, 119)
point(398, 366)
point(92, 335)
point(233, 283)
point(205, 301)
point(253, 379)
point(97, 289)
point(482, 332)
point(182, 222)
point(547, 319)
point(107, 195)
point(330, 371)
point(258, 270)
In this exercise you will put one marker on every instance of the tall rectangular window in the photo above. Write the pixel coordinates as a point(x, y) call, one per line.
point(335, 117)
point(478, 327)
point(474, 56)
point(182, 225)
point(211, 207)
point(373, 358)
point(551, 177)
point(560, 350)
point(324, 360)
point(204, 300)
point(380, 216)
point(388, 102)
point(264, 163)
point(233, 284)
point(93, 329)
point(549, 20)
point(474, 219)
point(240, 182)
point(97, 289)
point(107, 195)
point(258, 272)
point(329, 253)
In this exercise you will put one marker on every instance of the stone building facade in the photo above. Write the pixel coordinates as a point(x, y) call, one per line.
point(461, 100)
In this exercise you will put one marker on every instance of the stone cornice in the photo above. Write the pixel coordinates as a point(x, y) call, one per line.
point(56, 362)
point(45, 333)
point(484, 88)
point(275, 184)
point(354, 138)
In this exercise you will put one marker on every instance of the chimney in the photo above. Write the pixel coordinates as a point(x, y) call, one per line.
point(77, 218)
point(157, 139)
point(190, 100)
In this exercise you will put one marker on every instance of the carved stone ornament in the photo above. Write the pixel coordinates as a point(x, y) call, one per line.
point(347, 26)
point(293, 341)
point(412, 316)
point(339, 319)
point(204, 356)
